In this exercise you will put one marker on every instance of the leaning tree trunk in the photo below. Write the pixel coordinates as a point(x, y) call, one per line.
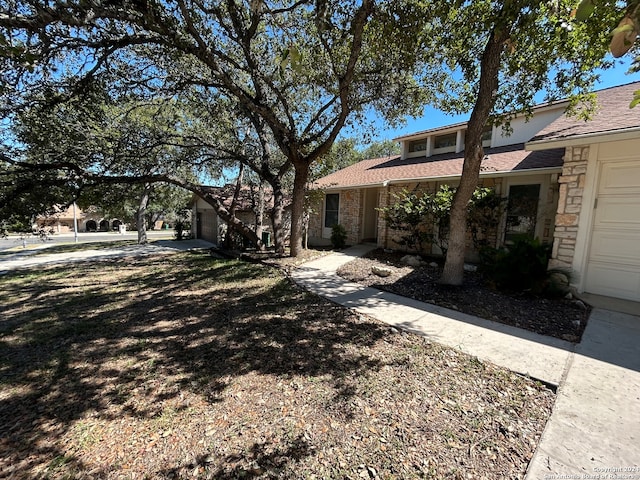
point(142, 215)
point(297, 206)
point(453, 272)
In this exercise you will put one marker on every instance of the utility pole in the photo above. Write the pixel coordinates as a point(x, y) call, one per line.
point(75, 223)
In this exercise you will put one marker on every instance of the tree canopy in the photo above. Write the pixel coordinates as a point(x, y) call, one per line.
point(300, 70)
point(291, 75)
point(498, 56)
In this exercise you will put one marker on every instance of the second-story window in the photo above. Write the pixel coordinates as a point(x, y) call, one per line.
point(486, 135)
point(445, 141)
point(418, 146)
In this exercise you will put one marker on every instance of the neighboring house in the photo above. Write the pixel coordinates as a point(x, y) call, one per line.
point(206, 224)
point(555, 164)
point(87, 221)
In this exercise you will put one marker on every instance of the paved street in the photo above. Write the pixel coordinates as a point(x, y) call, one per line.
point(33, 256)
point(14, 242)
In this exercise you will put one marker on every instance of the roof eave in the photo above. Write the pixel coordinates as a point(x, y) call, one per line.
point(581, 139)
point(502, 173)
point(456, 126)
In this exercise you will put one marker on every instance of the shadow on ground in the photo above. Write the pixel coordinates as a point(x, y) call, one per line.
point(93, 340)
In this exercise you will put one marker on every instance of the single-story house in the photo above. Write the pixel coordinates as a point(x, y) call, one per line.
point(61, 221)
point(207, 225)
point(582, 180)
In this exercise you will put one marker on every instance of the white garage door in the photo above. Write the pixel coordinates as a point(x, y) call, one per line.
point(614, 255)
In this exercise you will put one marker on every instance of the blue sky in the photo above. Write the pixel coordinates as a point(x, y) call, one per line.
point(433, 118)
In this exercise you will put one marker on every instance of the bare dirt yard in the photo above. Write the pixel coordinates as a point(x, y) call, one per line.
point(185, 366)
point(557, 317)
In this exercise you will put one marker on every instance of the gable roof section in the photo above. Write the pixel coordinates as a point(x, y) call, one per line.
point(500, 160)
point(613, 117)
point(246, 200)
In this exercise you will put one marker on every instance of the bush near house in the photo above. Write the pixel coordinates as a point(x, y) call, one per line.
point(424, 217)
point(522, 266)
point(338, 236)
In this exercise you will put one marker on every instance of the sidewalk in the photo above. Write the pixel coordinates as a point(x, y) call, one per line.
point(595, 424)
point(543, 358)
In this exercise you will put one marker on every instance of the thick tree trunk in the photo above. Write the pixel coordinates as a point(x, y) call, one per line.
point(453, 272)
point(232, 221)
point(260, 210)
point(142, 215)
point(277, 215)
point(297, 206)
point(234, 205)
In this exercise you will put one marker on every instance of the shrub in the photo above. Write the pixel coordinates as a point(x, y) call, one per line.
point(410, 213)
point(522, 266)
point(424, 218)
point(338, 236)
point(182, 230)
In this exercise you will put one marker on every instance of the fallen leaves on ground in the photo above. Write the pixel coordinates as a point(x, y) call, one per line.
point(190, 367)
point(556, 317)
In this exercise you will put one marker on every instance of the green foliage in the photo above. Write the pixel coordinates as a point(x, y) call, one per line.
point(622, 38)
point(636, 99)
point(410, 213)
point(424, 217)
point(485, 213)
point(522, 266)
point(380, 149)
point(182, 228)
point(338, 236)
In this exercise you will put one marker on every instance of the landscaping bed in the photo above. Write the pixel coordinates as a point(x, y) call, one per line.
point(557, 317)
point(185, 366)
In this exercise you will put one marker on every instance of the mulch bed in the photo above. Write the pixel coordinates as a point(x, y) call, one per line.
point(191, 367)
point(557, 317)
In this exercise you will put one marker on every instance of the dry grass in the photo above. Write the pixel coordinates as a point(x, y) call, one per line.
point(189, 367)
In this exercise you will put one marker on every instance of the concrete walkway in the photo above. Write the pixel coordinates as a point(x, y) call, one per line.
point(595, 424)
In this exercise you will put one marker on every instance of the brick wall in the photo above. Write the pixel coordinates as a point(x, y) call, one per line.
point(572, 182)
point(315, 218)
point(351, 214)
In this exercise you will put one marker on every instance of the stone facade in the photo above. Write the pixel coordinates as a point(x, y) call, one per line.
point(572, 182)
point(316, 216)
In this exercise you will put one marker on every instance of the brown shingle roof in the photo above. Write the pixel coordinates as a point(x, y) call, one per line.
point(613, 115)
point(509, 158)
point(248, 195)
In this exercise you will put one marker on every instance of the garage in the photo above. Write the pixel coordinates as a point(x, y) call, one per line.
point(613, 262)
point(208, 226)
